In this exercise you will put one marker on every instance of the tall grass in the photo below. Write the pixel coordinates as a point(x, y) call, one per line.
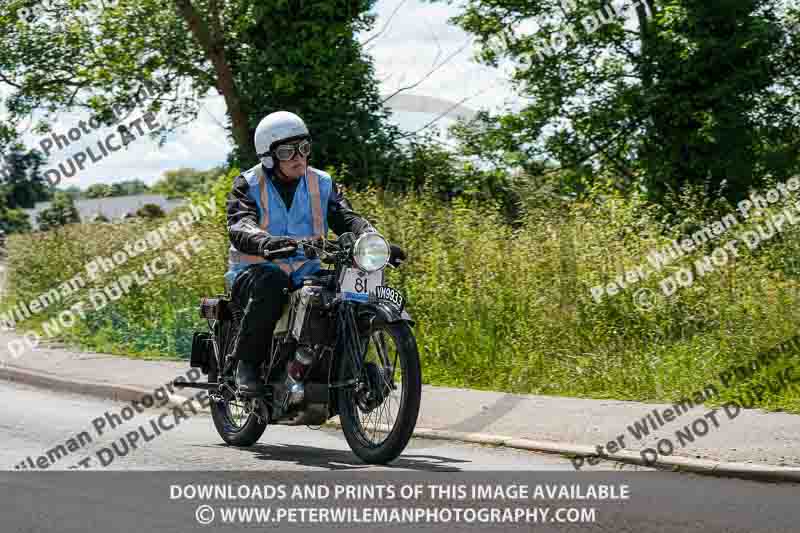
point(495, 307)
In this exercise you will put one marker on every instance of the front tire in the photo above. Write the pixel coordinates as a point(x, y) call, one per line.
point(364, 409)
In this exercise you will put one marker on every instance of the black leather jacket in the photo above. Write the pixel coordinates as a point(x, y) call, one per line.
point(246, 235)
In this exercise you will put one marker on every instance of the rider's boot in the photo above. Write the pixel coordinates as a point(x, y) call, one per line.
point(248, 380)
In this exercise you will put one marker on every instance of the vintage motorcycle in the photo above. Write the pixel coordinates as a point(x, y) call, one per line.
point(343, 346)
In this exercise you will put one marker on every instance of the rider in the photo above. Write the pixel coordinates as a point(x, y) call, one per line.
point(271, 206)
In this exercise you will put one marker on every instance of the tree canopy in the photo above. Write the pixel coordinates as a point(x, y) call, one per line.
point(654, 96)
point(21, 186)
point(105, 190)
point(261, 56)
point(184, 181)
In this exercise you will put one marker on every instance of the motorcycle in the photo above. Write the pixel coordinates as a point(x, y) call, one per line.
point(344, 346)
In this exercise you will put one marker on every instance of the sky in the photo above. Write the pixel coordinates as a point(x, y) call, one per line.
point(405, 48)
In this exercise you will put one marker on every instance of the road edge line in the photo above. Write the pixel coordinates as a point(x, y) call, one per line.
point(680, 464)
point(112, 391)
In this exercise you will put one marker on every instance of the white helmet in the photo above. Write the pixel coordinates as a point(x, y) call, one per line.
point(276, 127)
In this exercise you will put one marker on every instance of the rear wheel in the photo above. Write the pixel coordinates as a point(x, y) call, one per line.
point(379, 412)
point(234, 418)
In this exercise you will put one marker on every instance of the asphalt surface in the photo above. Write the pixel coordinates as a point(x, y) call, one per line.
point(37, 420)
point(133, 492)
point(760, 439)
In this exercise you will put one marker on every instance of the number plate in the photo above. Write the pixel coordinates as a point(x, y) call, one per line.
point(358, 285)
point(390, 295)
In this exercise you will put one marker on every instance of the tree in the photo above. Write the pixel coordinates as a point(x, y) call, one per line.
point(184, 181)
point(116, 190)
point(314, 66)
point(21, 186)
point(103, 190)
point(73, 190)
point(60, 212)
point(302, 56)
point(21, 183)
point(13, 220)
point(703, 93)
point(98, 190)
point(130, 187)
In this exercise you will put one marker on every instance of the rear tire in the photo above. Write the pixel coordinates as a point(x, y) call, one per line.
point(351, 404)
point(234, 425)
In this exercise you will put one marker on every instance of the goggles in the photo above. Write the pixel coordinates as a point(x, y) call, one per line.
point(285, 152)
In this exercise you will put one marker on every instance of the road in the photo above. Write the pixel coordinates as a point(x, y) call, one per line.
point(41, 420)
point(36, 420)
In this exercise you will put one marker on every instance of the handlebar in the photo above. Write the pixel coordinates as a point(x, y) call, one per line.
point(277, 254)
point(311, 248)
point(302, 243)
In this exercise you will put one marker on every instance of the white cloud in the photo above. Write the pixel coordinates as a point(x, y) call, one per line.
point(419, 37)
point(202, 144)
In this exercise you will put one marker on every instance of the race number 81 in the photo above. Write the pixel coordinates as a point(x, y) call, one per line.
point(361, 285)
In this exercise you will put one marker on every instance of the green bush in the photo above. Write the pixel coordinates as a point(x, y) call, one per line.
point(496, 307)
point(14, 220)
point(150, 211)
point(60, 212)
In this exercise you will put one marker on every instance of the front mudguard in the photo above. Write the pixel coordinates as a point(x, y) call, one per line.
point(369, 315)
point(372, 314)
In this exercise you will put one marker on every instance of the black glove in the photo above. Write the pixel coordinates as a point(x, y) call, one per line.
point(276, 243)
point(396, 255)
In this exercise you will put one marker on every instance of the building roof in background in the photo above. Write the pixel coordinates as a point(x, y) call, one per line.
point(113, 208)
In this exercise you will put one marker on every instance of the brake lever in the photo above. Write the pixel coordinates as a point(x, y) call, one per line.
point(280, 252)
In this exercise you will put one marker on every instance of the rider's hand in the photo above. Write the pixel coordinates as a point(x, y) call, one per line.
point(396, 255)
point(276, 243)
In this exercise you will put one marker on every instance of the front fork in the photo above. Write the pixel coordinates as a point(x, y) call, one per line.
point(388, 368)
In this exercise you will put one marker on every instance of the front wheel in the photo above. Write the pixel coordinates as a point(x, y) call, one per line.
point(379, 411)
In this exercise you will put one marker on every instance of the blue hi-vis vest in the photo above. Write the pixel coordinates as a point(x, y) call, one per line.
point(306, 219)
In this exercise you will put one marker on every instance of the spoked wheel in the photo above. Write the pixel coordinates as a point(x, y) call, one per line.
point(379, 412)
point(234, 418)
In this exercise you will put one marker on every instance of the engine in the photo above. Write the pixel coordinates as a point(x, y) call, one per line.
point(301, 359)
